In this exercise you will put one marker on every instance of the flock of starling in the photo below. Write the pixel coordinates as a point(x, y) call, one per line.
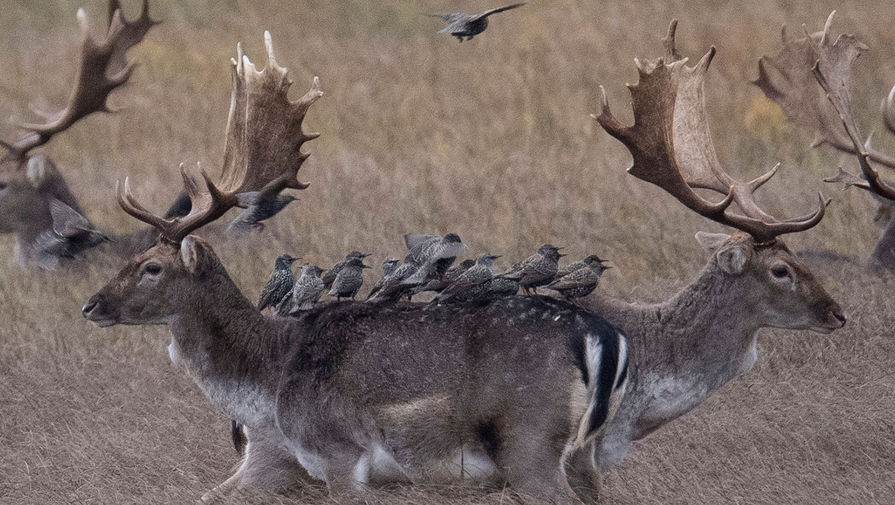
point(429, 267)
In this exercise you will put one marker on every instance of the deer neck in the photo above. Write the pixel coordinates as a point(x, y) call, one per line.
point(884, 253)
point(684, 349)
point(229, 349)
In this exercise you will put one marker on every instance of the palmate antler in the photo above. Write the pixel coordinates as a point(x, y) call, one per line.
point(263, 150)
point(833, 71)
point(672, 146)
point(103, 68)
point(787, 79)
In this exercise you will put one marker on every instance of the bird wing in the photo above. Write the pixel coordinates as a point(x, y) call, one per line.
point(577, 278)
point(67, 222)
point(495, 11)
point(444, 17)
point(412, 240)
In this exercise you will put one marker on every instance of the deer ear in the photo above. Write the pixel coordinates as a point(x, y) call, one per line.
point(733, 259)
point(711, 242)
point(195, 254)
point(37, 170)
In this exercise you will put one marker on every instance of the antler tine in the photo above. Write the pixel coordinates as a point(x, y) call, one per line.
point(671, 53)
point(103, 68)
point(888, 110)
point(672, 147)
point(130, 205)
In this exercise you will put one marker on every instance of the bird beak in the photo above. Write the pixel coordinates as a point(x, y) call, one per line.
point(365, 266)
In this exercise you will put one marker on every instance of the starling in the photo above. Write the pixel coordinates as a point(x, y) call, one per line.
point(259, 206)
point(590, 261)
point(433, 254)
point(501, 287)
point(471, 284)
point(388, 267)
point(393, 285)
point(461, 24)
point(330, 276)
point(279, 285)
point(579, 283)
point(536, 270)
point(307, 289)
point(349, 280)
point(71, 234)
point(450, 276)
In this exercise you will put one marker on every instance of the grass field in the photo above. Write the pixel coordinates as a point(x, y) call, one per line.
point(491, 139)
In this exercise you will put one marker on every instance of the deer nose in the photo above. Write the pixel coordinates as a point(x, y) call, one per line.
point(91, 305)
point(839, 315)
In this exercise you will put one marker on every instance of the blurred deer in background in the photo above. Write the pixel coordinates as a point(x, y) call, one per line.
point(35, 202)
point(789, 80)
point(684, 349)
point(504, 391)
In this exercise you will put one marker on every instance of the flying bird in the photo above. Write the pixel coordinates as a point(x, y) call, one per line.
point(260, 206)
point(71, 233)
point(461, 24)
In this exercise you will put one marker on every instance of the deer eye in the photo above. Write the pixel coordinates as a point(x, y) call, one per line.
point(780, 272)
point(153, 269)
point(2, 186)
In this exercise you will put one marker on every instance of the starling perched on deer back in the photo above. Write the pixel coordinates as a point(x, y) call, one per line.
point(449, 276)
point(388, 267)
point(330, 276)
point(349, 279)
point(590, 261)
point(538, 269)
point(579, 283)
point(279, 285)
point(307, 289)
point(501, 287)
point(473, 283)
point(461, 24)
point(71, 234)
point(393, 285)
point(433, 254)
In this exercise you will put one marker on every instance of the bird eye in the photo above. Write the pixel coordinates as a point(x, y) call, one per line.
point(779, 272)
point(153, 269)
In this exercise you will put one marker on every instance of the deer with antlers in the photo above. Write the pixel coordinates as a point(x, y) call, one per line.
point(686, 348)
point(510, 391)
point(35, 202)
point(810, 79)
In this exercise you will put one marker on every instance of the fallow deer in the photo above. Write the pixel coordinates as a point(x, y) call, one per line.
point(29, 183)
point(789, 80)
point(352, 393)
point(686, 348)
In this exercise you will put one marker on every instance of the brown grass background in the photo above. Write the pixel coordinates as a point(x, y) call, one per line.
point(491, 139)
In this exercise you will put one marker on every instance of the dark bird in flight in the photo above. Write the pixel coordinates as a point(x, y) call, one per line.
point(461, 24)
point(72, 233)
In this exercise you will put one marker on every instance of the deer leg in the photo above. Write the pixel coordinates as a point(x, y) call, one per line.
point(531, 458)
point(581, 472)
point(265, 467)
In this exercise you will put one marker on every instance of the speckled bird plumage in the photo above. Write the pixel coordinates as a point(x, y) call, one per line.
point(279, 285)
point(461, 24)
point(307, 289)
point(349, 279)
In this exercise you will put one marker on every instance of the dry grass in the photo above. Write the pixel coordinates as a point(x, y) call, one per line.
point(491, 139)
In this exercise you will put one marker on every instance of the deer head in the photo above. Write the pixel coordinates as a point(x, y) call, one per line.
point(672, 148)
point(29, 182)
point(263, 149)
